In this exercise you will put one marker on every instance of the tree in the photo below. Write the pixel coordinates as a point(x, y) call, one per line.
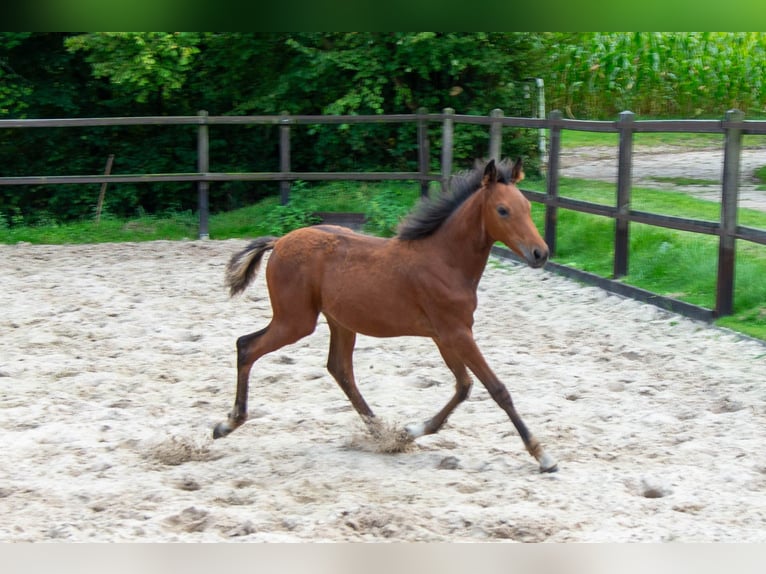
point(13, 89)
point(145, 65)
point(231, 73)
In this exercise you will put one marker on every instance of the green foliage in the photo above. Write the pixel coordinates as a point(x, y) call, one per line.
point(47, 75)
point(296, 213)
point(388, 207)
point(13, 89)
point(230, 73)
point(382, 203)
point(398, 72)
point(596, 75)
point(145, 64)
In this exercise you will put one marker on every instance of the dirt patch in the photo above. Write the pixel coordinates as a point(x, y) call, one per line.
point(654, 167)
point(117, 360)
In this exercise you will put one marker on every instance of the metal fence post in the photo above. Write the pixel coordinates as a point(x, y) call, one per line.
point(729, 199)
point(424, 152)
point(448, 137)
point(552, 182)
point(284, 157)
point(203, 166)
point(495, 135)
point(621, 222)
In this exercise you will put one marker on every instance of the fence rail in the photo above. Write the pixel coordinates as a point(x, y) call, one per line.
point(733, 126)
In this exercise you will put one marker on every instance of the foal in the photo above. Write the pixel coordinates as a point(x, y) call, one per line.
point(422, 282)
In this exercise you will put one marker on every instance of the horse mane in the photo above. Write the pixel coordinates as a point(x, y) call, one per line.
point(431, 212)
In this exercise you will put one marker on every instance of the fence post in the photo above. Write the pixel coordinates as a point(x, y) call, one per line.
point(621, 222)
point(448, 133)
point(495, 135)
point(284, 157)
point(424, 152)
point(102, 192)
point(203, 166)
point(552, 183)
point(729, 199)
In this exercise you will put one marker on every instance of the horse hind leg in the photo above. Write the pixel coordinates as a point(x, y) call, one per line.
point(247, 354)
point(462, 390)
point(250, 348)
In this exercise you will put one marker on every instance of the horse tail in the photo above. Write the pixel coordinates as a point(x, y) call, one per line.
point(243, 266)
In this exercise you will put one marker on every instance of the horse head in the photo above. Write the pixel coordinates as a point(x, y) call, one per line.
point(508, 215)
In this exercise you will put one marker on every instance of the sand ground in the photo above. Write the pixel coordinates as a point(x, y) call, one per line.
point(116, 360)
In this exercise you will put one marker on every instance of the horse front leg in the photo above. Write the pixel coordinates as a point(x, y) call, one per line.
point(340, 365)
point(462, 390)
point(465, 347)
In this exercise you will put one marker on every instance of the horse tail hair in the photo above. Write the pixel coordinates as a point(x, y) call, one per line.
point(243, 266)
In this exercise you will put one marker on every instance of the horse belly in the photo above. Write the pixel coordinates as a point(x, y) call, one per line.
point(374, 296)
point(377, 315)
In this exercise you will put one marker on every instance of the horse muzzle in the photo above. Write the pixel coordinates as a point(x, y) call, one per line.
point(535, 257)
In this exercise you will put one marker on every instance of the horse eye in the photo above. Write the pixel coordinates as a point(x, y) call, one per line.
point(503, 211)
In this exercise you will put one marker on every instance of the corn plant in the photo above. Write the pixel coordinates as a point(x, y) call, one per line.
point(658, 74)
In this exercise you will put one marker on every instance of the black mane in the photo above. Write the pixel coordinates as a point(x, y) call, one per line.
point(430, 213)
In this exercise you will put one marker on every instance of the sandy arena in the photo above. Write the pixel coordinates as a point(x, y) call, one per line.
point(117, 360)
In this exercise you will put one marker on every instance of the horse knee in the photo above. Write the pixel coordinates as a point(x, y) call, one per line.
point(335, 370)
point(462, 390)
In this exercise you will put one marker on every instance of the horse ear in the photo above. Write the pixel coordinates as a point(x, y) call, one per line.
point(490, 173)
point(517, 173)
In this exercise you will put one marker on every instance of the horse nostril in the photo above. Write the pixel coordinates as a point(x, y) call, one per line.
point(540, 255)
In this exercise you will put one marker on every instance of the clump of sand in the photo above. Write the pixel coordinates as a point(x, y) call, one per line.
point(177, 450)
point(382, 437)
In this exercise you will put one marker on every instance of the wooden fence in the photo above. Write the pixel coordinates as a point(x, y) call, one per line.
point(733, 127)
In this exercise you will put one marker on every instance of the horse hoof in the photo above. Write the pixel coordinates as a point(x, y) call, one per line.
point(415, 430)
point(221, 430)
point(547, 463)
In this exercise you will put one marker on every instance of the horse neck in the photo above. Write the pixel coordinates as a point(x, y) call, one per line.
point(463, 241)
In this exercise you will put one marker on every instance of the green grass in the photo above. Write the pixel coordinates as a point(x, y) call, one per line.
point(384, 203)
point(145, 228)
point(691, 141)
point(673, 263)
point(760, 175)
point(574, 139)
point(685, 181)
